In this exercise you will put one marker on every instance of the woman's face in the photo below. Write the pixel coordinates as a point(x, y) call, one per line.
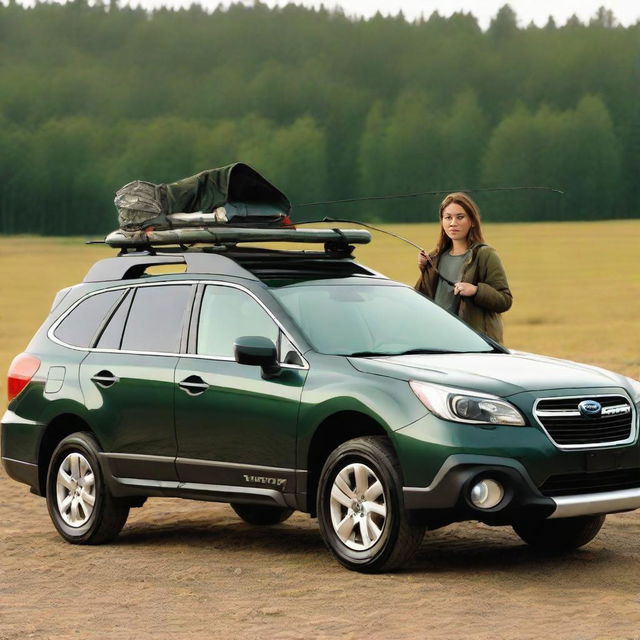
point(456, 222)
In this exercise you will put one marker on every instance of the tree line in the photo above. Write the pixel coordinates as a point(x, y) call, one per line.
point(326, 107)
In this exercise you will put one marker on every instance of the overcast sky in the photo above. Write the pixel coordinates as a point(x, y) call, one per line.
point(627, 11)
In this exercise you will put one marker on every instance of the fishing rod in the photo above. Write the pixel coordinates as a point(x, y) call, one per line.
point(374, 228)
point(419, 194)
point(410, 195)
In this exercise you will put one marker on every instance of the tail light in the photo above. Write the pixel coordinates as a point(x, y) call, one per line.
point(22, 369)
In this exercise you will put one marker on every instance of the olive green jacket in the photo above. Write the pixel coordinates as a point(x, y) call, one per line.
point(484, 269)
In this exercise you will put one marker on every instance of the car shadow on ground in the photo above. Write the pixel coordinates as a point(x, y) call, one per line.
point(478, 557)
point(225, 533)
point(458, 549)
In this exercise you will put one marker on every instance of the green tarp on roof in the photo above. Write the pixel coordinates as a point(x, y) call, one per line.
point(213, 188)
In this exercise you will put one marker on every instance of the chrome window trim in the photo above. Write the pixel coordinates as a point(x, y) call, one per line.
point(275, 320)
point(60, 320)
point(54, 326)
point(568, 413)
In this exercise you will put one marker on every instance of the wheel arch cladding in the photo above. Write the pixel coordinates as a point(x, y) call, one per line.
point(332, 432)
point(58, 429)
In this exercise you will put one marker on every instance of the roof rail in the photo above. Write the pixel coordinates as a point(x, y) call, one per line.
point(132, 266)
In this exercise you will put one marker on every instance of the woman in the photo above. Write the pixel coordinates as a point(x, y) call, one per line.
point(463, 274)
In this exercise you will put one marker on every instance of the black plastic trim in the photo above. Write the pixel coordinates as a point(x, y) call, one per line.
point(25, 472)
point(446, 499)
point(123, 487)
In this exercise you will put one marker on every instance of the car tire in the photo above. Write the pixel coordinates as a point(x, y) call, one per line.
point(80, 505)
point(262, 514)
point(361, 509)
point(561, 535)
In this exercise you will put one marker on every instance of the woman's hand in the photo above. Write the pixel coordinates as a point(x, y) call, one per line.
point(465, 289)
point(422, 260)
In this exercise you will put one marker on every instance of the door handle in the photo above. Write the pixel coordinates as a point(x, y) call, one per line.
point(105, 379)
point(193, 385)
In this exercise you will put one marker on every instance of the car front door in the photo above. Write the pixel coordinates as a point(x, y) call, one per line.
point(235, 427)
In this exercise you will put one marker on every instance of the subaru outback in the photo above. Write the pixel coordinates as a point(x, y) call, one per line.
point(302, 380)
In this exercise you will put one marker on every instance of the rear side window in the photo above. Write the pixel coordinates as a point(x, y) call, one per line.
point(111, 336)
point(81, 325)
point(156, 318)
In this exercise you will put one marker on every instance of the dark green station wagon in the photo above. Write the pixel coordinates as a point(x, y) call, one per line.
point(301, 380)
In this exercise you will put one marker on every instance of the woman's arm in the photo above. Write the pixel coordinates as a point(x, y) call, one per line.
point(426, 284)
point(493, 289)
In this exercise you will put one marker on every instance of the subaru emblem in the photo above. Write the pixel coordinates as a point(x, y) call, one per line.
point(590, 408)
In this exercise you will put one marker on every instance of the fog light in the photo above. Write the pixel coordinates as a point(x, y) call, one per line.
point(486, 494)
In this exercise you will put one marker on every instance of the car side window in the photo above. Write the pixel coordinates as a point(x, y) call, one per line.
point(156, 318)
point(80, 326)
point(111, 336)
point(227, 313)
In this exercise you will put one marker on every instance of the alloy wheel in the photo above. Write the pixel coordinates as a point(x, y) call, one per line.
point(75, 489)
point(358, 507)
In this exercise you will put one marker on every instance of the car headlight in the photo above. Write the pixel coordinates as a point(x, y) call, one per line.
point(634, 388)
point(461, 405)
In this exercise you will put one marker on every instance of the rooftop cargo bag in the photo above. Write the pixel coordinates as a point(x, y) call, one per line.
point(235, 194)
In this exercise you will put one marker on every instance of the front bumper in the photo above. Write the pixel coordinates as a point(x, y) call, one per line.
point(447, 499)
point(591, 503)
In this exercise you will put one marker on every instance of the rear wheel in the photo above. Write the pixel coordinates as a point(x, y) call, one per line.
point(260, 514)
point(563, 534)
point(360, 507)
point(80, 505)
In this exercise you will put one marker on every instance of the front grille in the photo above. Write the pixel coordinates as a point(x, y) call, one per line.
point(566, 426)
point(598, 482)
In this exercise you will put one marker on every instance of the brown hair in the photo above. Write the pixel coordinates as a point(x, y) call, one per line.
point(471, 209)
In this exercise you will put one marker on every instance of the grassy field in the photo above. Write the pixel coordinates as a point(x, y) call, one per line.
point(576, 286)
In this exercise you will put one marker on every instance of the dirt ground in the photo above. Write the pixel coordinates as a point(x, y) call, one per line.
point(185, 569)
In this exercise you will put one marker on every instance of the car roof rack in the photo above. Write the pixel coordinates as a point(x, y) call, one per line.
point(256, 263)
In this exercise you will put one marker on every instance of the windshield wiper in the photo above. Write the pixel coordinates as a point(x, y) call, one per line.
point(368, 354)
point(427, 351)
point(418, 351)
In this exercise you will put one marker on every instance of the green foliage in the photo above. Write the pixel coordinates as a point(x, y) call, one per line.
point(95, 95)
point(576, 149)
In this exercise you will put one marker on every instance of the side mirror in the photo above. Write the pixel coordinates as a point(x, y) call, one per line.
point(260, 351)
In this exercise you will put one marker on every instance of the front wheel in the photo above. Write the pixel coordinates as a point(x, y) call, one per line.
point(80, 505)
point(360, 507)
point(561, 535)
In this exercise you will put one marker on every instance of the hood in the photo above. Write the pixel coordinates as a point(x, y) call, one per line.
point(501, 374)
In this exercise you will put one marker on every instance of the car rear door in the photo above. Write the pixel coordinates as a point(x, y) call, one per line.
point(128, 381)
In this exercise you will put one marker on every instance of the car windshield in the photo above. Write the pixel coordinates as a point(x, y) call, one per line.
point(371, 320)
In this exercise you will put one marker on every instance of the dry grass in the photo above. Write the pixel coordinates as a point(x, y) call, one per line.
point(576, 285)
